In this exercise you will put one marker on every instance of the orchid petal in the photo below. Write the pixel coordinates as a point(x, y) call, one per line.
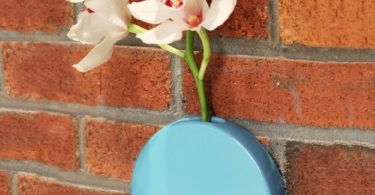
point(180, 23)
point(101, 52)
point(165, 33)
point(90, 28)
point(218, 13)
point(115, 11)
point(193, 7)
point(205, 7)
point(150, 11)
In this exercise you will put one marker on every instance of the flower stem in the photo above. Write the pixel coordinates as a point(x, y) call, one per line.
point(133, 28)
point(190, 59)
point(206, 52)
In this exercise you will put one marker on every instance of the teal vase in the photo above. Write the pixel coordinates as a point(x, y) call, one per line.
point(191, 157)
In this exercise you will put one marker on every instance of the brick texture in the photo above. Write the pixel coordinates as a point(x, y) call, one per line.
point(286, 91)
point(112, 148)
point(134, 77)
point(322, 23)
point(5, 183)
point(35, 15)
point(50, 139)
point(33, 184)
point(249, 20)
point(336, 169)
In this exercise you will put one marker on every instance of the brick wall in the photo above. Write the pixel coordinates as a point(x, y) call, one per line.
point(298, 74)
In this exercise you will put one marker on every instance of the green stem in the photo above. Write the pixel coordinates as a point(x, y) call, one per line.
point(133, 28)
point(190, 59)
point(206, 52)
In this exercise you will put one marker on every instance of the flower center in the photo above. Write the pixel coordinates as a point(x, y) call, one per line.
point(193, 21)
point(90, 11)
point(173, 3)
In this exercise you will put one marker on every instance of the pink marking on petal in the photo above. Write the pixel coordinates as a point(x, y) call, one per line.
point(90, 10)
point(173, 3)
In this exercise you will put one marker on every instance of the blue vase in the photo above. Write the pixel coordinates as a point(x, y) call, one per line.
point(191, 157)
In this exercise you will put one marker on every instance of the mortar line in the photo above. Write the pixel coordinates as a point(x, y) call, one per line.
point(2, 78)
point(230, 46)
point(290, 131)
point(329, 143)
point(176, 73)
point(82, 143)
point(263, 48)
point(14, 183)
point(72, 177)
point(75, 12)
point(11, 36)
point(274, 23)
point(77, 8)
point(131, 115)
point(278, 149)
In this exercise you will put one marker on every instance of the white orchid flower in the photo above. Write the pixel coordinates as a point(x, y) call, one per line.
point(103, 23)
point(177, 16)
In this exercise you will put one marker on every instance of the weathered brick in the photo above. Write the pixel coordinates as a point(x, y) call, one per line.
point(312, 93)
point(113, 147)
point(35, 15)
point(33, 184)
point(335, 169)
point(249, 19)
point(5, 183)
point(41, 137)
point(134, 77)
point(322, 23)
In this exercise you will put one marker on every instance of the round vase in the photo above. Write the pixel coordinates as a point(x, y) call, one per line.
point(191, 157)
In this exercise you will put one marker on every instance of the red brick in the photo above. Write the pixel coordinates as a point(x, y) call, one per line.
point(41, 137)
point(312, 93)
point(33, 184)
point(5, 183)
point(35, 15)
point(134, 77)
point(322, 23)
point(249, 19)
point(335, 169)
point(112, 147)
